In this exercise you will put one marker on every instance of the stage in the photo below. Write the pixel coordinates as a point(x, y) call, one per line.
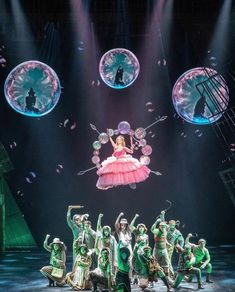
point(20, 272)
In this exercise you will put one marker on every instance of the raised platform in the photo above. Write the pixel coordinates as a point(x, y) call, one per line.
point(19, 271)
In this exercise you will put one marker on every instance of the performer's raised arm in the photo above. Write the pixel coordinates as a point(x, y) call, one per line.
point(69, 220)
point(113, 143)
point(117, 224)
point(98, 226)
point(187, 240)
point(45, 243)
point(132, 224)
point(154, 228)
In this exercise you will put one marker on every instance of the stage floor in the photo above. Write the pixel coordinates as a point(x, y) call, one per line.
point(19, 271)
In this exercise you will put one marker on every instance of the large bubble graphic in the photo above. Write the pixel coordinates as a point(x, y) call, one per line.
point(119, 68)
point(200, 95)
point(124, 127)
point(32, 88)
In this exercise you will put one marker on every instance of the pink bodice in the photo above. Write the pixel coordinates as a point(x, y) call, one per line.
point(118, 153)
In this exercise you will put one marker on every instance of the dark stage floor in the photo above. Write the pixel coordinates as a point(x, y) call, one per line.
point(19, 271)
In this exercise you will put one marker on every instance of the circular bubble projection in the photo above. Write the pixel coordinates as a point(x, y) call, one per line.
point(198, 108)
point(32, 88)
point(119, 68)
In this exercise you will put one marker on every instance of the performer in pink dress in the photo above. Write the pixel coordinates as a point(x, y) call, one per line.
point(121, 168)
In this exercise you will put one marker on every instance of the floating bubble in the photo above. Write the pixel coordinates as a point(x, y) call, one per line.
point(59, 168)
point(95, 159)
point(124, 127)
point(81, 46)
point(32, 88)
point(150, 107)
point(212, 58)
point(145, 160)
point(132, 186)
point(2, 60)
point(140, 133)
point(103, 138)
point(95, 83)
point(147, 150)
point(66, 122)
point(232, 147)
point(142, 142)
point(20, 193)
point(198, 132)
point(116, 132)
point(33, 174)
point(194, 107)
point(110, 132)
point(28, 180)
point(73, 126)
point(13, 145)
point(119, 68)
point(96, 152)
point(96, 145)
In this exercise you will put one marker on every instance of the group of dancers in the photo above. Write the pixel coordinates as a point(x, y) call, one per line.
point(101, 261)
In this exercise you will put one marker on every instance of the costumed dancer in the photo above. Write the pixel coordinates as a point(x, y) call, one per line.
point(75, 225)
point(107, 240)
point(122, 277)
point(150, 270)
point(202, 256)
point(159, 229)
point(57, 269)
point(174, 236)
point(186, 266)
point(78, 279)
point(121, 168)
point(140, 233)
point(103, 274)
point(89, 239)
point(142, 237)
point(124, 230)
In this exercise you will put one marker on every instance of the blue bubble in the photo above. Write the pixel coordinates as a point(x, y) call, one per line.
point(32, 88)
point(119, 68)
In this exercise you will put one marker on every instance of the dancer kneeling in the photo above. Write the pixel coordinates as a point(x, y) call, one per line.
point(57, 270)
point(185, 266)
point(78, 279)
point(103, 274)
point(149, 269)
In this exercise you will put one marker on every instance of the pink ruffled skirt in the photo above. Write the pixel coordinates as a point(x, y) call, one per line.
point(123, 170)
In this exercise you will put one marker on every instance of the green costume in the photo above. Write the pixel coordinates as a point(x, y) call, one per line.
point(202, 256)
point(76, 230)
point(186, 266)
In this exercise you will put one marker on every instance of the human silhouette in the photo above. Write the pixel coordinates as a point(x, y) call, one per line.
point(199, 109)
point(30, 101)
point(118, 77)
